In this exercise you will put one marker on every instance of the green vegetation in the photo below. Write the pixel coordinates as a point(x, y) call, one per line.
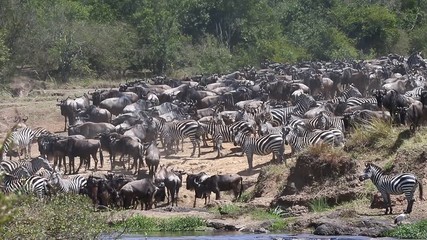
point(378, 136)
point(141, 224)
point(67, 216)
point(64, 216)
point(68, 39)
point(416, 230)
point(319, 205)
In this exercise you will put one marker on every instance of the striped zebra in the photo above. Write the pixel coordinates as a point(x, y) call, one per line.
point(225, 133)
point(358, 101)
point(174, 131)
point(279, 116)
point(268, 128)
point(301, 140)
point(20, 141)
point(324, 121)
point(271, 143)
point(31, 166)
point(404, 183)
point(350, 91)
point(68, 185)
point(415, 93)
point(33, 184)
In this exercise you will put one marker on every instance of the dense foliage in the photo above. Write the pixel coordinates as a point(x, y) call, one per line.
point(63, 217)
point(65, 39)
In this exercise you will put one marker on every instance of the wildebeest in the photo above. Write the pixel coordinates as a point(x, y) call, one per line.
point(217, 183)
point(142, 190)
point(172, 180)
point(70, 107)
point(90, 129)
point(152, 157)
point(95, 114)
point(83, 148)
point(115, 143)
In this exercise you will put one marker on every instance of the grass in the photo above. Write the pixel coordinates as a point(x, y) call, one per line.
point(142, 224)
point(319, 205)
point(416, 230)
point(68, 216)
point(275, 216)
point(377, 136)
point(63, 217)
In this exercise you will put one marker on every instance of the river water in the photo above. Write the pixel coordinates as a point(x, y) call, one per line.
point(230, 236)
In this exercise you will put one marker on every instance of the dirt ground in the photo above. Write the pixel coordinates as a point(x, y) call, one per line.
point(40, 107)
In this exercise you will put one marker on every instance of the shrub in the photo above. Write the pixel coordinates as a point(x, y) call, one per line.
point(417, 230)
point(140, 224)
point(64, 217)
point(378, 135)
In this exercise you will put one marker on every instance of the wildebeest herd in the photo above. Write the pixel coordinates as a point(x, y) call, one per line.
point(260, 110)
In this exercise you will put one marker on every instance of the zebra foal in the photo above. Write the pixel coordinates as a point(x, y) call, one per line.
point(404, 183)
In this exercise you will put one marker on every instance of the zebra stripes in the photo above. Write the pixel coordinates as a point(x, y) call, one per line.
point(350, 91)
point(20, 141)
point(404, 183)
point(179, 130)
point(34, 184)
point(68, 185)
point(225, 133)
point(279, 116)
point(31, 166)
point(300, 139)
point(323, 121)
point(271, 143)
point(357, 101)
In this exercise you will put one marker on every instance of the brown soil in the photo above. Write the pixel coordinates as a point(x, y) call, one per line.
point(43, 112)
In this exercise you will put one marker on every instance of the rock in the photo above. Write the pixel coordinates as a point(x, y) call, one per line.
point(297, 210)
point(328, 229)
point(261, 230)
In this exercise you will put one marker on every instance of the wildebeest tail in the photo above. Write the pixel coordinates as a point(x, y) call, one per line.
point(421, 190)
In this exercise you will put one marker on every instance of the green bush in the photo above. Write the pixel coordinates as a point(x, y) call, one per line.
point(63, 217)
point(378, 135)
point(140, 224)
point(409, 231)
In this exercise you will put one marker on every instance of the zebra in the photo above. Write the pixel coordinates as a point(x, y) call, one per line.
point(21, 139)
point(299, 141)
point(279, 116)
point(415, 93)
point(31, 166)
point(33, 184)
point(323, 121)
point(403, 183)
point(68, 185)
point(350, 91)
point(268, 128)
point(224, 133)
point(178, 130)
point(271, 143)
point(358, 101)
